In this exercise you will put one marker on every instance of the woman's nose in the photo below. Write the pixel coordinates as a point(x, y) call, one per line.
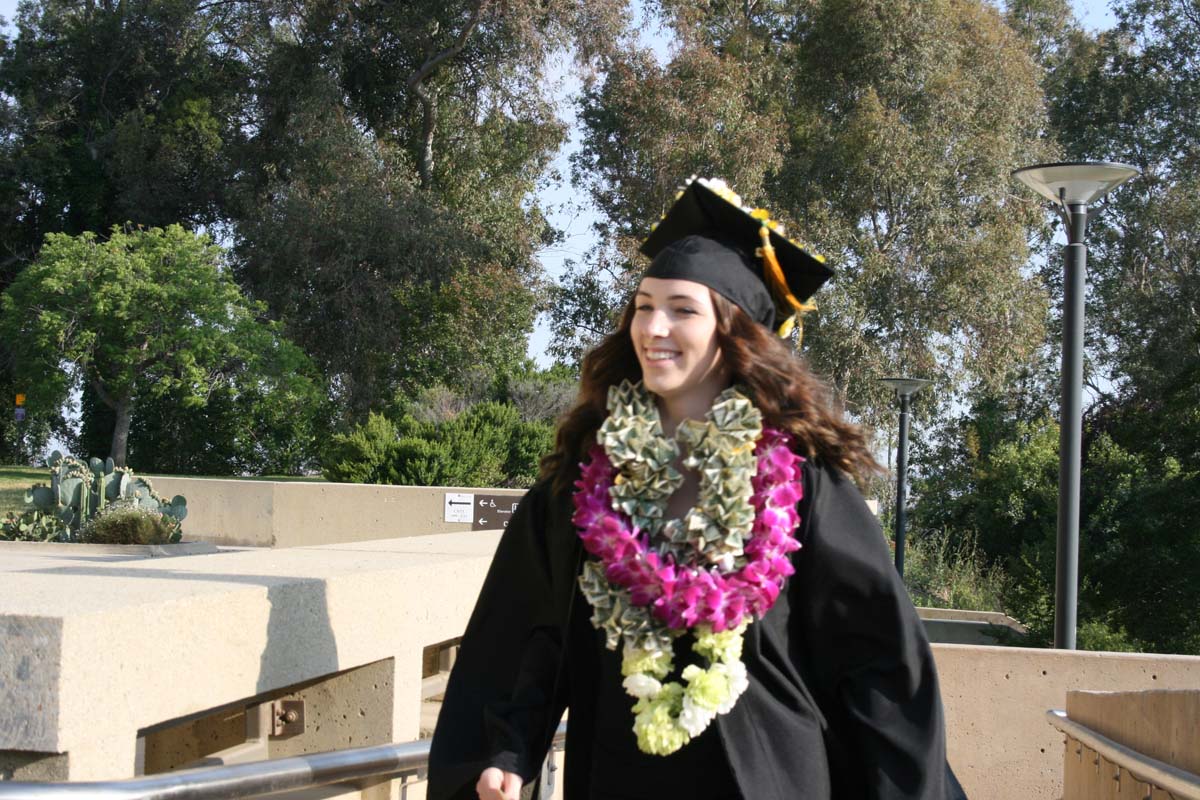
point(657, 324)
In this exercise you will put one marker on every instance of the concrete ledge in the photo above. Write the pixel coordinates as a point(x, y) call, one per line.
point(952, 626)
point(80, 549)
point(96, 650)
point(302, 513)
point(989, 617)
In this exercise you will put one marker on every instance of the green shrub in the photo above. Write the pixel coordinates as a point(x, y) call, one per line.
point(361, 456)
point(126, 523)
point(529, 443)
point(488, 444)
point(469, 450)
point(422, 462)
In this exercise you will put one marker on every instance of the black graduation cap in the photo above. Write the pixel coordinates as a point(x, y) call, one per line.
point(709, 237)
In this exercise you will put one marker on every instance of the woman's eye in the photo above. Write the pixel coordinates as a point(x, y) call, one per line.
point(685, 310)
point(643, 307)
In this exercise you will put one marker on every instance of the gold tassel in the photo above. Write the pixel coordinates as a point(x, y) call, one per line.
point(786, 328)
point(773, 271)
point(778, 284)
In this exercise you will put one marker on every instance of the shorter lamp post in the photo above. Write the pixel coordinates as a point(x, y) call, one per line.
point(1071, 187)
point(905, 388)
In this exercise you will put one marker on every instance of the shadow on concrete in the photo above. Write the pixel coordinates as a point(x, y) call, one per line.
point(300, 640)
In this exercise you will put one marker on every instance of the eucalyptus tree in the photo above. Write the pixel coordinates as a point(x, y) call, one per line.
point(883, 132)
point(389, 216)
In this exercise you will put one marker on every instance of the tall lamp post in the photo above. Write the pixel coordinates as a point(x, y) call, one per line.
point(905, 388)
point(1071, 187)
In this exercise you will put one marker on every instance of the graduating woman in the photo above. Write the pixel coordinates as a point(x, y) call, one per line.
point(696, 576)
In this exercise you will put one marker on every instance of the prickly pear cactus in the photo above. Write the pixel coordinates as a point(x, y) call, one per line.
point(32, 526)
point(79, 491)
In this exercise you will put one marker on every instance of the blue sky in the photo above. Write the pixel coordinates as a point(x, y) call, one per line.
point(576, 217)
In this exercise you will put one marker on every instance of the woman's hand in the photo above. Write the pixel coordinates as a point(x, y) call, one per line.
point(495, 784)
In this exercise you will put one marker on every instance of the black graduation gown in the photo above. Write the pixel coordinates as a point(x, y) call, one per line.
point(843, 700)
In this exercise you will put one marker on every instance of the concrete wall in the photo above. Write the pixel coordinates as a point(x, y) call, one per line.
point(1163, 725)
point(1160, 724)
point(999, 742)
point(300, 513)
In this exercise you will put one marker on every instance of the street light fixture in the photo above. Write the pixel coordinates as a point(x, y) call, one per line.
point(1071, 187)
point(904, 388)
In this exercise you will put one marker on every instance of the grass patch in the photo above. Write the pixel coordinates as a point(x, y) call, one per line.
point(13, 483)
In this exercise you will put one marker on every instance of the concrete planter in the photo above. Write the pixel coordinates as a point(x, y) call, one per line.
point(79, 549)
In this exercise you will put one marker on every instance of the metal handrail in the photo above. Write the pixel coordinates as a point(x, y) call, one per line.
point(408, 759)
point(1181, 784)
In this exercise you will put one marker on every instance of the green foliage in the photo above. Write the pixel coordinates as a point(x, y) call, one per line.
point(941, 573)
point(530, 443)
point(376, 167)
point(391, 222)
point(1124, 95)
point(254, 425)
point(487, 445)
point(119, 111)
point(23, 442)
point(383, 285)
point(129, 523)
point(360, 456)
point(143, 314)
point(883, 132)
point(998, 482)
point(469, 450)
point(33, 525)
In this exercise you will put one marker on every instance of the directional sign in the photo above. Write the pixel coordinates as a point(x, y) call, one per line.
point(20, 400)
point(459, 507)
point(20, 414)
point(493, 511)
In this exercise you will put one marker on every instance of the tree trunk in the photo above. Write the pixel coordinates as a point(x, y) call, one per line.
point(120, 440)
point(429, 105)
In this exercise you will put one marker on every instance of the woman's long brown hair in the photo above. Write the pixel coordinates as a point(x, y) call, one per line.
point(790, 397)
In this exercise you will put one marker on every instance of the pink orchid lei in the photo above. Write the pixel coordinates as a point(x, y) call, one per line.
point(713, 573)
point(682, 596)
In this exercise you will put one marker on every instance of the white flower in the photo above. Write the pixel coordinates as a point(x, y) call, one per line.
point(642, 685)
point(738, 683)
point(693, 718)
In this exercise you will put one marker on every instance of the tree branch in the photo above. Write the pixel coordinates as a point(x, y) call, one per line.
point(105, 397)
point(416, 84)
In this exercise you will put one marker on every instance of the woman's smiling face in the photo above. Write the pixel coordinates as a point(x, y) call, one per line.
point(674, 334)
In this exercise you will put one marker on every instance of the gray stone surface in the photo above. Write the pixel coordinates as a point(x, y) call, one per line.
point(30, 663)
point(23, 765)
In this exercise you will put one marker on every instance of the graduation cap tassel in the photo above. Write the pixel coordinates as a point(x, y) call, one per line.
point(778, 283)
